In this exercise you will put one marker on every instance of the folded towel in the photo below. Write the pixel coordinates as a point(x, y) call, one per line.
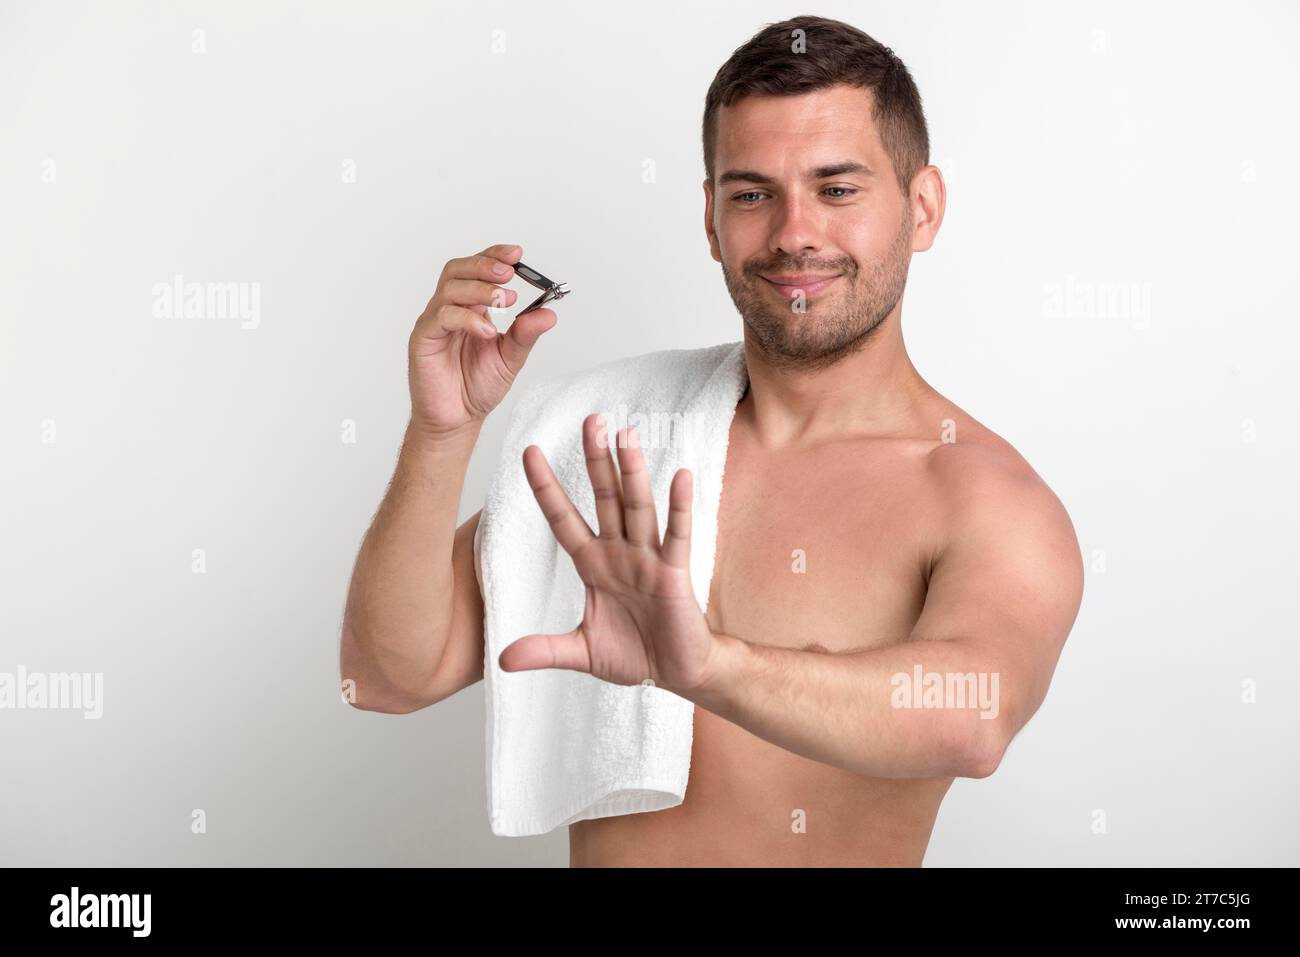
point(563, 746)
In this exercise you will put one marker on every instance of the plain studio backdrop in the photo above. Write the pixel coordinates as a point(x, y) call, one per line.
point(1113, 290)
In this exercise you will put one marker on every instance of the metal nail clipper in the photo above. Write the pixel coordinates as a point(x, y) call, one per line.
point(551, 290)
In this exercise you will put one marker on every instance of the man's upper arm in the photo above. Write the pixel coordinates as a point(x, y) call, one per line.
point(1008, 580)
point(462, 656)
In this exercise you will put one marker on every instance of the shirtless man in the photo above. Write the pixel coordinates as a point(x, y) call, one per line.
point(932, 549)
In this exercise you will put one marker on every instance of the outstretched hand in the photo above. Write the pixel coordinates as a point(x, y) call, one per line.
point(641, 622)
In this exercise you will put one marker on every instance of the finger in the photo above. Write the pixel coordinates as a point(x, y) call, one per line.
point(484, 265)
point(604, 477)
point(476, 292)
point(569, 527)
point(522, 335)
point(439, 321)
point(677, 537)
point(547, 651)
point(471, 283)
point(508, 253)
point(640, 522)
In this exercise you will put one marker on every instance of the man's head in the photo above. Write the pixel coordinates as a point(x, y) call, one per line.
point(816, 155)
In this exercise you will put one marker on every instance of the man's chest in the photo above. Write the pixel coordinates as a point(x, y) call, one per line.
point(828, 549)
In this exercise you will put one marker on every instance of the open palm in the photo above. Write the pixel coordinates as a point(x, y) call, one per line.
point(641, 619)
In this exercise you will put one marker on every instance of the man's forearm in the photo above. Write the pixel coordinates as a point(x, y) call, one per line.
point(399, 604)
point(850, 711)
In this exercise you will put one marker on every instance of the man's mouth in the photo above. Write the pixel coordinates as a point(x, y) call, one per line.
point(809, 284)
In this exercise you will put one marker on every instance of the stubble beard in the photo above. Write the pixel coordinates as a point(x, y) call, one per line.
point(831, 328)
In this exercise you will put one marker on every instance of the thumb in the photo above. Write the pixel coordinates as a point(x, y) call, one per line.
point(534, 652)
point(523, 335)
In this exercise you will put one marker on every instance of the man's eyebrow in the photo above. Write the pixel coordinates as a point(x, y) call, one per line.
point(819, 172)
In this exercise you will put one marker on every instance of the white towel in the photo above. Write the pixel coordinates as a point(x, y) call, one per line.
point(563, 746)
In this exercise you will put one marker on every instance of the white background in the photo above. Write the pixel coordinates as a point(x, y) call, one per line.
point(1147, 146)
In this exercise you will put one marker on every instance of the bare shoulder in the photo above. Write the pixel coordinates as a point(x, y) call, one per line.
point(974, 464)
point(999, 512)
point(974, 468)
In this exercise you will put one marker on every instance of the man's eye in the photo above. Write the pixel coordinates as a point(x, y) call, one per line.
point(840, 192)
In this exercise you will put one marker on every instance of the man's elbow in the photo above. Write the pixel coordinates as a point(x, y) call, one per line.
point(392, 705)
point(984, 749)
point(364, 697)
point(364, 690)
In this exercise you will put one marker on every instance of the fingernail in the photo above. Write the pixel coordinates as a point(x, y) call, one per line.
point(500, 269)
point(487, 328)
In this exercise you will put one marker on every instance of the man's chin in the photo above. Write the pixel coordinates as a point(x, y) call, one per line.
point(795, 338)
point(810, 340)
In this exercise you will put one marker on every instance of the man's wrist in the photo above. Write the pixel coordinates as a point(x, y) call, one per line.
point(725, 661)
point(421, 441)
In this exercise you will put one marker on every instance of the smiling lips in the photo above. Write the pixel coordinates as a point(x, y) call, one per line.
point(808, 283)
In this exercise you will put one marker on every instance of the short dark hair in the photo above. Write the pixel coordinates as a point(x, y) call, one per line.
point(778, 62)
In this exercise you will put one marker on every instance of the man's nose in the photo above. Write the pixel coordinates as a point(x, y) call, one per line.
point(797, 228)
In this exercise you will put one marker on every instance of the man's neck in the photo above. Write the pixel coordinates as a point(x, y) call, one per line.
point(874, 391)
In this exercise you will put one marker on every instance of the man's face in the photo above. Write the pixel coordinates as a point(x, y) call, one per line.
point(785, 211)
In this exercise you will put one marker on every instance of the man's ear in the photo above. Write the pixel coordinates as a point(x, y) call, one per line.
point(708, 222)
point(929, 197)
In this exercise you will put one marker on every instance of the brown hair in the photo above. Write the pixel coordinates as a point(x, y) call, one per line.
point(772, 63)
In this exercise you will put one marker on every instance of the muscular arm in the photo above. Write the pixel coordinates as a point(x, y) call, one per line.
point(413, 628)
point(1003, 595)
